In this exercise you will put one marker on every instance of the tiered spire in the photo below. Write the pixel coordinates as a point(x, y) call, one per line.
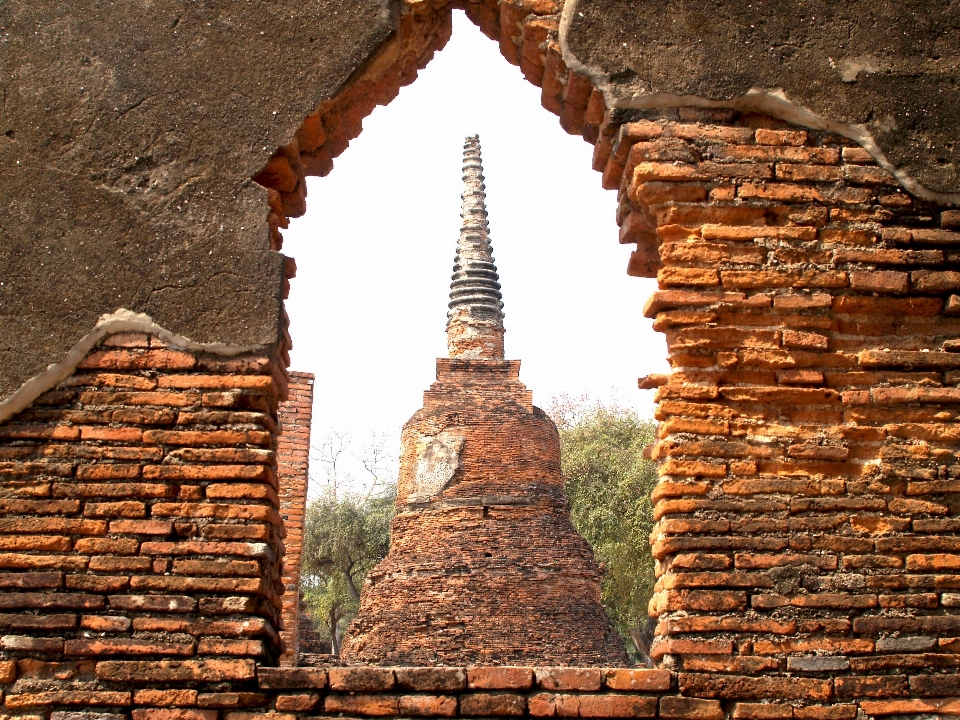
point(475, 319)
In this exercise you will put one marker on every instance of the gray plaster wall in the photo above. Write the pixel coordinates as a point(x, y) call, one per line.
point(891, 67)
point(129, 131)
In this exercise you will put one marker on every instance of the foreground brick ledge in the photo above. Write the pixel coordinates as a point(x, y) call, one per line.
point(472, 677)
point(287, 693)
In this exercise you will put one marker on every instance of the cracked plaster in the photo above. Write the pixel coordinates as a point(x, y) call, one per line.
point(128, 138)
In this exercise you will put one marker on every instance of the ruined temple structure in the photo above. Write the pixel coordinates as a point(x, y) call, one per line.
point(484, 565)
point(788, 172)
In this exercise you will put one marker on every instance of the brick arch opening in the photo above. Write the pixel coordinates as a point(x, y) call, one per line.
point(527, 33)
point(807, 507)
point(422, 30)
point(802, 303)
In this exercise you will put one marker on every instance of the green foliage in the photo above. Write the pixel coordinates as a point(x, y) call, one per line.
point(609, 484)
point(345, 535)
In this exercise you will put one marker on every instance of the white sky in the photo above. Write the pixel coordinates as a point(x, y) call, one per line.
point(375, 252)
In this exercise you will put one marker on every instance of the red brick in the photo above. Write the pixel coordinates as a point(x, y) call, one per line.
point(680, 277)
point(208, 670)
point(207, 437)
point(138, 360)
point(826, 712)
point(97, 583)
point(550, 704)
point(21, 621)
point(8, 671)
point(499, 678)
point(738, 686)
point(199, 547)
point(568, 678)
point(96, 647)
point(141, 527)
point(883, 686)
point(216, 510)
point(298, 703)
point(111, 434)
point(780, 137)
point(36, 562)
point(124, 509)
point(162, 399)
point(220, 646)
point(880, 281)
point(617, 706)
point(690, 709)
point(67, 697)
point(427, 706)
point(105, 623)
point(762, 711)
point(431, 679)
point(22, 643)
point(173, 714)
point(230, 568)
point(752, 279)
point(374, 705)
point(217, 382)
point(752, 232)
point(101, 563)
point(208, 472)
point(153, 603)
point(805, 340)
point(36, 542)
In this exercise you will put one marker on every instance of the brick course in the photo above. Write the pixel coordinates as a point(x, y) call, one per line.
point(806, 534)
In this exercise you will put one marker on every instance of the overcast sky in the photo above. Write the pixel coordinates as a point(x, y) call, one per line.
point(375, 252)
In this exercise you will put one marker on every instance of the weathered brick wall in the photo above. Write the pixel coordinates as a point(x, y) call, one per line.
point(805, 541)
point(140, 541)
point(807, 531)
point(293, 469)
point(806, 537)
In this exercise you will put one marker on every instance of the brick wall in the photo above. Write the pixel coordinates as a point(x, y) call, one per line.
point(807, 537)
point(293, 458)
point(139, 535)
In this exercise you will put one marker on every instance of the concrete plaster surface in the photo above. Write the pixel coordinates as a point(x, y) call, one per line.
point(129, 133)
point(892, 66)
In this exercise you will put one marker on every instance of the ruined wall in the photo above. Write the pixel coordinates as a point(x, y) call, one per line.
point(126, 163)
point(293, 472)
point(807, 440)
point(141, 540)
point(807, 534)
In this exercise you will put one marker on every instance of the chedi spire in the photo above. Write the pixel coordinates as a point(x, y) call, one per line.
point(475, 318)
point(484, 566)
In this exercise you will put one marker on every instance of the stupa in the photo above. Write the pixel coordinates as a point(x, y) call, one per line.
point(484, 566)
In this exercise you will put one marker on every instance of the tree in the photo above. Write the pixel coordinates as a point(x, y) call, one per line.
point(344, 537)
point(346, 532)
point(609, 483)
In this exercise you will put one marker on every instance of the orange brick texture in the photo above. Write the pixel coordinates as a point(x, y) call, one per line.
point(807, 534)
point(484, 565)
point(293, 457)
point(139, 535)
point(806, 538)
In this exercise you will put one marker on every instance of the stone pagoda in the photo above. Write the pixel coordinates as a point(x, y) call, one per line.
point(485, 566)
